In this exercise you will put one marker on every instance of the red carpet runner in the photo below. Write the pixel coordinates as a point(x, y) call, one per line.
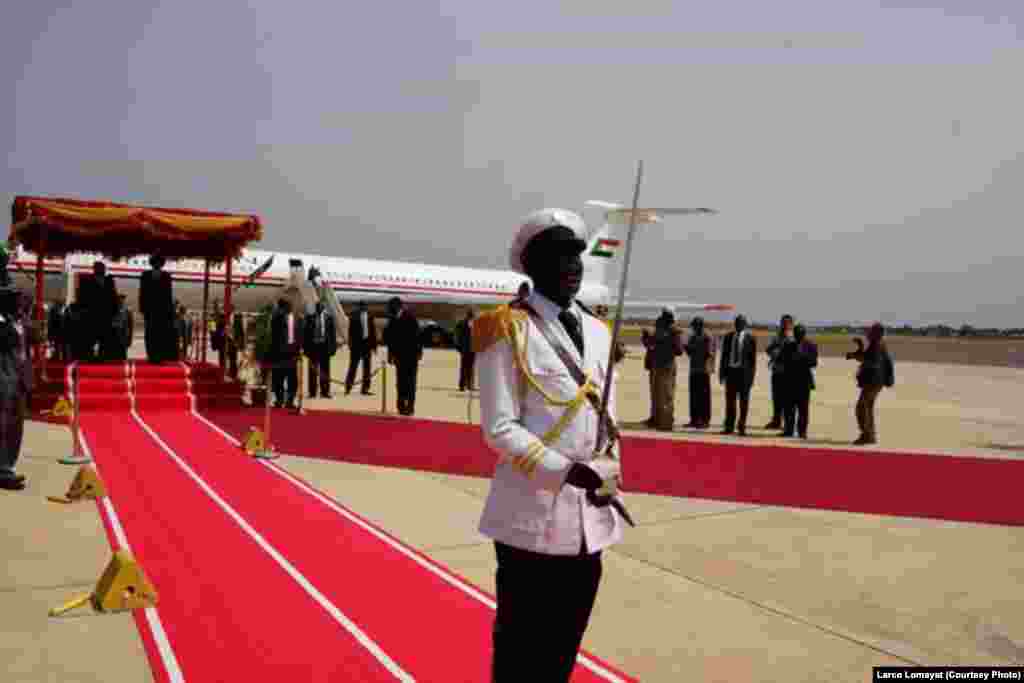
point(260, 577)
point(914, 485)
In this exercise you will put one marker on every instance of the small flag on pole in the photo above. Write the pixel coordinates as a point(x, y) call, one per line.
point(605, 248)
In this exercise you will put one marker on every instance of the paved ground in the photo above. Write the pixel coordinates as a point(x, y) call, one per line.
point(701, 590)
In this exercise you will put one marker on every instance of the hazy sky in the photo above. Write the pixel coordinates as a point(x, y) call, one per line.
point(866, 156)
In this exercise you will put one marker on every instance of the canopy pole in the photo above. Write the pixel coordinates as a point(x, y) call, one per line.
point(228, 308)
point(39, 348)
point(206, 299)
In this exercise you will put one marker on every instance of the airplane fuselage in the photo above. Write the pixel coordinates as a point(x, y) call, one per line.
point(435, 291)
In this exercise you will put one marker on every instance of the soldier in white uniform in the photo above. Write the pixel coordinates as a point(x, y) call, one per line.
point(544, 512)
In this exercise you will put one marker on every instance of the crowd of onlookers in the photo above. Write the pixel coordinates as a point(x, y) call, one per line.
point(792, 357)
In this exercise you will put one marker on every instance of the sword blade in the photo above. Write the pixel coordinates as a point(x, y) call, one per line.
point(606, 393)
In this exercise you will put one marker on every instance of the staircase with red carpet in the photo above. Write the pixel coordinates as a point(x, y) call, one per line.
point(114, 386)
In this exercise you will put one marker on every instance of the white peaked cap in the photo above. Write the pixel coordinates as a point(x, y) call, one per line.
point(536, 223)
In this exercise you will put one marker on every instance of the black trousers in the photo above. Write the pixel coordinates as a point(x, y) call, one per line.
point(161, 340)
point(283, 377)
point(319, 372)
point(406, 370)
point(357, 357)
point(544, 605)
point(779, 397)
point(798, 402)
point(700, 398)
point(466, 362)
point(736, 387)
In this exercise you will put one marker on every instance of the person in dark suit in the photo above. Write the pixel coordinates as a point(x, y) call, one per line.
point(56, 332)
point(405, 349)
point(98, 295)
point(464, 345)
point(701, 349)
point(800, 357)
point(156, 303)
point(285, 345)
point(320, 344)
point(18, 333)
point(778, 367)
point(736, 371)
point(362, 342)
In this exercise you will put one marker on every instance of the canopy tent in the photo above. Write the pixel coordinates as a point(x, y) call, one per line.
point(56, 227)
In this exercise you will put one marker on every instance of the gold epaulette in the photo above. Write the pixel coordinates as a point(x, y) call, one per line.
point(494, 325)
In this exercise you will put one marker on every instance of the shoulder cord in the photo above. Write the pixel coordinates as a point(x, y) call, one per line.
point(528, 461)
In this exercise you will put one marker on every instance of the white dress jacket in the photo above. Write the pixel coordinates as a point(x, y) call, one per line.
point(529, 505)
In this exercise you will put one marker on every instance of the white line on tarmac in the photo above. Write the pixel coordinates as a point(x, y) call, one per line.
point(297, 576)
point(156, 627)
point(445, 576)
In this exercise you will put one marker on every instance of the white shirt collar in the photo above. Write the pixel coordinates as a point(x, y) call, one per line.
point(548, 309)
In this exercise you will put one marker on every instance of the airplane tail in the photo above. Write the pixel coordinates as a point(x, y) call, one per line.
point(606, 253)
point(604, 257)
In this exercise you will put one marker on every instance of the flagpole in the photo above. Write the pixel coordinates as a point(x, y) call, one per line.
point(606, 393)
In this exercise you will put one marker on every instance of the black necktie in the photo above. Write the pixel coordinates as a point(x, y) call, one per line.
point(572, 326)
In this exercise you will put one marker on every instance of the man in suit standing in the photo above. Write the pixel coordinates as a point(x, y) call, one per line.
point(156, 303)
point(285, 344)
point(778, 367)
point(701, 349)
point(56, 332)
point(405, 349)
point(801, 359)
point(98, 295)
point(464, 344)
point(736, 371)
point(321, 342)
point(362, 342)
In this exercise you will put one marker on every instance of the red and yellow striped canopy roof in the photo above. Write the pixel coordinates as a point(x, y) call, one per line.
point(56, 227)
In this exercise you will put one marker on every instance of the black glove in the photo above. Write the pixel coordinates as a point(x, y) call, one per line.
point(583, 477)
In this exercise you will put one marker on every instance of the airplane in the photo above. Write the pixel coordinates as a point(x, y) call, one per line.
point(431, 291)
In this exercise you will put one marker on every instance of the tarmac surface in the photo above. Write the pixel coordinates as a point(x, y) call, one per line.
point(700, 591)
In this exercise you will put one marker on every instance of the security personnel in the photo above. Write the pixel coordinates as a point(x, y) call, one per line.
point(544, 513)
point(464, 344)
point(405, 351)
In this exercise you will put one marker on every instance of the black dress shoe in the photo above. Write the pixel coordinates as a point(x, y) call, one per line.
point(12, 483)
point(725, 431)
point(773, 425)
point(326, 395)
point(366, 393)
point(742, 431)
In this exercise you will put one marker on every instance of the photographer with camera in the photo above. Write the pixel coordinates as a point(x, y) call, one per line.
point(875, 372)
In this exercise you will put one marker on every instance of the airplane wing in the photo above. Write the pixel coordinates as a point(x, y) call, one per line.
point(644, 309)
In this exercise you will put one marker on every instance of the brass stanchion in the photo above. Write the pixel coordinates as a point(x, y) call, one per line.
point(299, 385)
point(78, 456)
point(384, 384)
point(260, 444)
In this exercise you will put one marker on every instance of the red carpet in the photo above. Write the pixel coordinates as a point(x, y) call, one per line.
point(914, 485)
point(262, 578)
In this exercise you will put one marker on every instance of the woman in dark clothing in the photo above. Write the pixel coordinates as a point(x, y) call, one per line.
point(875, 372)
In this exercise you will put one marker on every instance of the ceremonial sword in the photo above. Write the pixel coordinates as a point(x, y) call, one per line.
point(611, 488)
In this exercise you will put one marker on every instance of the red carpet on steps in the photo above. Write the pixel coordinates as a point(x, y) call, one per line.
point(915, 485)
point(261, 579)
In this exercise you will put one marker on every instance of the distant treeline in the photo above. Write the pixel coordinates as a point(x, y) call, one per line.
point(905, 330)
